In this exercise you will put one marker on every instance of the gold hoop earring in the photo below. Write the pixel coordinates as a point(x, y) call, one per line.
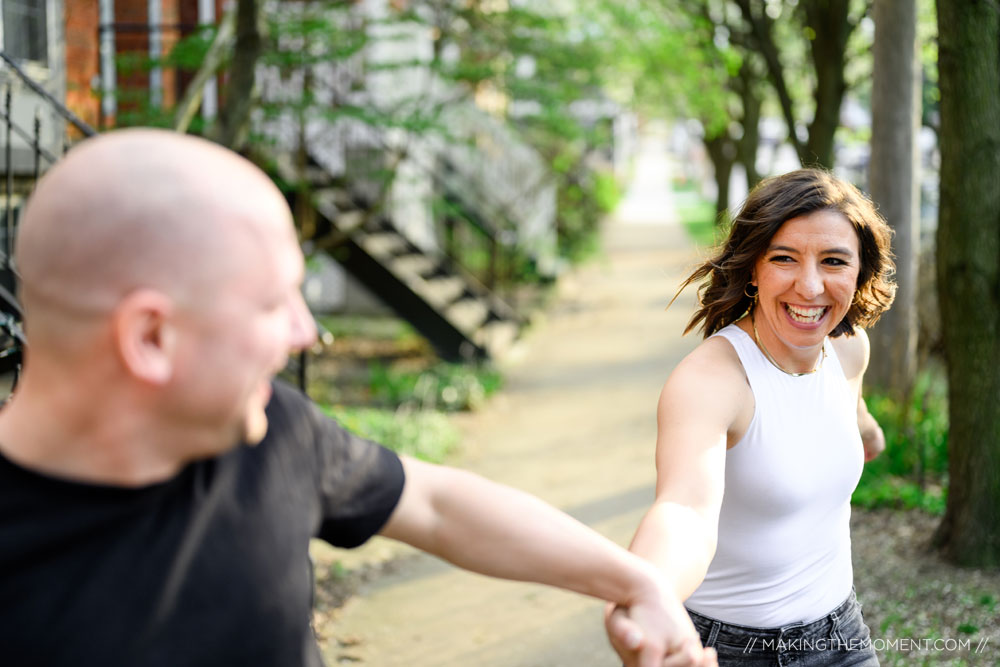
point(752, 297)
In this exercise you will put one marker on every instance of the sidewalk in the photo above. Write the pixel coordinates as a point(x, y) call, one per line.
point(575, 425)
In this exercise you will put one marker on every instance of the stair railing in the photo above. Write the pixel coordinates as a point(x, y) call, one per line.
point(458, 213)
point(12, 339)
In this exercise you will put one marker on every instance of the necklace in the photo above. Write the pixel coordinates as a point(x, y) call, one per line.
point(774, 363)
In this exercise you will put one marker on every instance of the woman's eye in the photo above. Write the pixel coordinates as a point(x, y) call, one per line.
point(781, 259)
point(834, 261)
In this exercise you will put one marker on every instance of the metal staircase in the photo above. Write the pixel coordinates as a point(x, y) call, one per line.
point(461, 318)
point(455, 308)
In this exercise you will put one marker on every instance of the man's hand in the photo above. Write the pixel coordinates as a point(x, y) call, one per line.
point(656, 635)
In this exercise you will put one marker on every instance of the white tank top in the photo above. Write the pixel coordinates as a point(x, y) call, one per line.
point(784, 546)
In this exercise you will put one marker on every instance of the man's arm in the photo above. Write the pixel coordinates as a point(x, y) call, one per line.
point(499, 531)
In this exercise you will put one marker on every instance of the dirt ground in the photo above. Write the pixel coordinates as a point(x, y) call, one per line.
point(921, 610)
point(575, 425)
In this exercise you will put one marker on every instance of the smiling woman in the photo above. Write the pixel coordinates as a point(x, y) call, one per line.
point(763, 432)
point(774, 202)
point(805, 280)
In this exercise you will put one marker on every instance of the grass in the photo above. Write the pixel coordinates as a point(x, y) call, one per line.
point(925, 638)
point(425, 435)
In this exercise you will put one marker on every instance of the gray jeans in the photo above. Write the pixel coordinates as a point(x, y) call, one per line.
point(840, 638)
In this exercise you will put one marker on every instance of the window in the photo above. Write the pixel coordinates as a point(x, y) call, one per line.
point(24, 30)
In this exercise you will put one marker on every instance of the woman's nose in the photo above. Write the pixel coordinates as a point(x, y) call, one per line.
point(809, 283)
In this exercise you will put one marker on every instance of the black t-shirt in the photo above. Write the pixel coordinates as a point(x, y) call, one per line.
point(208, 568)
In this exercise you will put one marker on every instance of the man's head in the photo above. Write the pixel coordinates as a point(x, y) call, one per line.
point(166, 266)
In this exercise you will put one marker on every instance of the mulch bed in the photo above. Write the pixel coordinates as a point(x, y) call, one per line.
point(921, 610)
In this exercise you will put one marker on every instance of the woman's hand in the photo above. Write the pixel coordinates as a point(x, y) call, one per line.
point(873, 440)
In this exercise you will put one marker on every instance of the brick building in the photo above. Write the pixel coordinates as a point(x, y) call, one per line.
point(133, 30)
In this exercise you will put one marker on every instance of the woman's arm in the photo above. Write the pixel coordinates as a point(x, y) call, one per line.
point(700, 402)
point(701, 405)
point(854, 353)
point(872, 437)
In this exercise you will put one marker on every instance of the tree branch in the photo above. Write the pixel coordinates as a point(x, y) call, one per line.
point(235, 114)
point(761, 28)
point(214, 57)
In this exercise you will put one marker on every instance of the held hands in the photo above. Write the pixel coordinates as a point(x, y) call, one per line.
point(658, 634)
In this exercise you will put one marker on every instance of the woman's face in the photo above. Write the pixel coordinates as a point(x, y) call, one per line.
point(806, 280)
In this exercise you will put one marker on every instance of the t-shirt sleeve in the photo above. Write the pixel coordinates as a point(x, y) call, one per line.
point(360, 483)
point(357, 482)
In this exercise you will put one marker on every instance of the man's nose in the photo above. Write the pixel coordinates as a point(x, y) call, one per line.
point(303, 326)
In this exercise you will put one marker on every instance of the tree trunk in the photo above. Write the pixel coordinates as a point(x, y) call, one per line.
point(234, 116)
point(968, 267)
point(722, 152)
point(894, 185)
point(746, 148)
point(829, 21)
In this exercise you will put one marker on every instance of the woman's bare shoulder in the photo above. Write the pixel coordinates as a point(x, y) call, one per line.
point(853, 352)
point(713, 372)
point(715, 355)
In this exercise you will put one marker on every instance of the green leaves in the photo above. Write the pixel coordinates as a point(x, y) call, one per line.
point(912, 471)
point(443, 386)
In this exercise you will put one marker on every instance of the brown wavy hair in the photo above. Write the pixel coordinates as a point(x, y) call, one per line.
point(723, 299)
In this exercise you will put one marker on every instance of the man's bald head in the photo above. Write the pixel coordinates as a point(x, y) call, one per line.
point(139, 209)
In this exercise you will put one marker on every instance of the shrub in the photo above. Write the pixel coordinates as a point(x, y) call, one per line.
point(913, 469)
point(443, 386)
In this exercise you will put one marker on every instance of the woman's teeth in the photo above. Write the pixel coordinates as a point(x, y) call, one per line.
point(805, 315)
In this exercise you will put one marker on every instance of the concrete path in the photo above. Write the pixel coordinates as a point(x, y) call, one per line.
point(575, 425)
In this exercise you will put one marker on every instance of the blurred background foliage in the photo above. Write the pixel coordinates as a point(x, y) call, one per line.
point(747, 78)
point(913, 470)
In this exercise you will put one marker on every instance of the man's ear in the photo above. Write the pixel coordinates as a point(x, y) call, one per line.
point(144, 334)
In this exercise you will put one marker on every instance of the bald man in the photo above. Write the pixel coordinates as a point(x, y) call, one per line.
point(158, 490)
